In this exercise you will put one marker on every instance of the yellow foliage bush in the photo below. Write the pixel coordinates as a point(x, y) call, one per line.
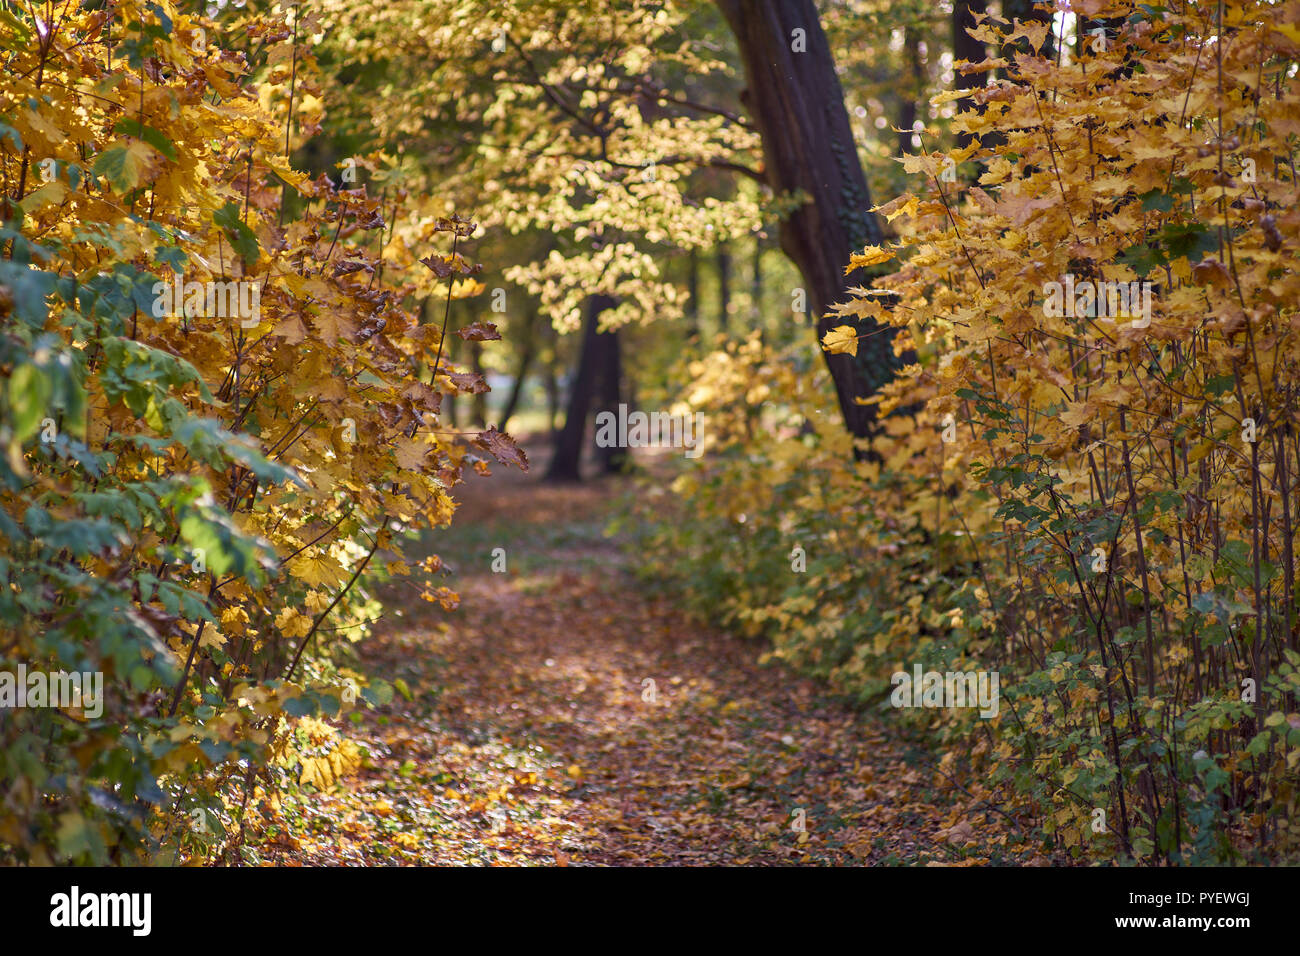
point(219, 407)
point(1097, 498)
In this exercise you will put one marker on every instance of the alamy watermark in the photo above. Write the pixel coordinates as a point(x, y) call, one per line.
point(1088, 299)
point(949, 689)
point(653, 430)
point(239, 299)
point(59, 689)
point(75, 909)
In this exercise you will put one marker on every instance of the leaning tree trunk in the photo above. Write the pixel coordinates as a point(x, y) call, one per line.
point(566, 462)
point(797, 104)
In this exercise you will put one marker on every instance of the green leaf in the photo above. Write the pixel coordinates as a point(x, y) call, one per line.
point(29, 395)
point(237, 231)
point(300, 706)
point(11, 134)
point(1157, 200)
point(1192, 241)
point(123, 165)
point(1220, 606)
point(136, 129)
point(1142, 259)
point(379, 692)
point(75, 837)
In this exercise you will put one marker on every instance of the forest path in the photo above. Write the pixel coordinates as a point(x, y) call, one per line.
point(533, 737)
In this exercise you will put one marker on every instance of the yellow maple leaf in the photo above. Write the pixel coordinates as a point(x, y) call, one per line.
point(410, 454)
point(842, 338)
point(127, 164)
point(235, 620)
point(317, 569)
point(1078, 413)
point(869, 256)
point(293, 623)
point(467, 288)
point(317, 601)
point(906, 209)
point(1289, 30)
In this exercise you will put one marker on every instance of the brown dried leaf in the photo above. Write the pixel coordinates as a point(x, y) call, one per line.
point(471, 382)
point(504, 448)
point(479, 332)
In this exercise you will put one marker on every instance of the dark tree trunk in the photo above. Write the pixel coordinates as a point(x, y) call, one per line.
point(450, 408)
point(609, 368)
point(551, 379)
point(525, 363)
point(693, 294)
point(552, 385)
point(912, 90)
point(724, 288)
point(1027, 12)
point(566, 462)
point(798, 107)
point(966, 47)
point(1087, 39)
point(478, 403)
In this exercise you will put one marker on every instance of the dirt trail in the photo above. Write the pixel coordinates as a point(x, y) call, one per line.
point(534, 735)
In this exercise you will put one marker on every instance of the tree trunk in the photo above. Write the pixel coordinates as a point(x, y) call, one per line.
point(966, 47)
point(1086, 38)
point(451, 401)
point(552, 385)
point(551, 379)
point(912, 89)
point(1026, 11)
point(693, 294)
point(609, 369)
point(525, 363)
point(566, 462)
point(478, 402)
point(724, 288)
point(798, 107)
